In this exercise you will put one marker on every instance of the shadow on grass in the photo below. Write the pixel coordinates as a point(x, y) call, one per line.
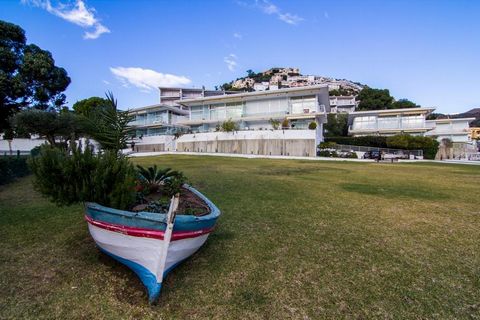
point(395, 191)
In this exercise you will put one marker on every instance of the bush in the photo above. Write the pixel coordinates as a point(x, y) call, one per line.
point(285, 124)
point(174, 183)
point(12, 167)
point(327, 153)
point(71, 176)
point(312, 125)
point(367, 141)
point(275, 123)
point(408, 142)
point(229, 126)
point(327, 145)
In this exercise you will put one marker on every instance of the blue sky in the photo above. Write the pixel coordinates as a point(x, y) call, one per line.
point(426, 51)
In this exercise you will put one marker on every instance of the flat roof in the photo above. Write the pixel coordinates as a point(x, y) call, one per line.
point(160, 107)
point(446, 120)
point(394, 111)
point(252, 94)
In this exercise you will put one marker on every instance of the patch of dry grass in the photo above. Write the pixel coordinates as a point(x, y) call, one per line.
point(296, 240)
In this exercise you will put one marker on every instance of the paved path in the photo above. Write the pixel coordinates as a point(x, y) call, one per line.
point(253, 156)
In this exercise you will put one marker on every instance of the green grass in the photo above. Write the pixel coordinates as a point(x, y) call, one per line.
point(297, 239)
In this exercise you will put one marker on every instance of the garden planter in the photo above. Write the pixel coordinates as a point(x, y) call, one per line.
point(151, 244)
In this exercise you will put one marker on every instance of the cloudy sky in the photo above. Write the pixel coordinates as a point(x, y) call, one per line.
point(426, 51)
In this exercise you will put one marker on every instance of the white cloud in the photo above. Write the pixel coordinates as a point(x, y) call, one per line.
point(231, 61)
point(77, 13)
point(237, 35)
point(271, 9)
point(326, 15)
point(147, 79)
point(106, 82)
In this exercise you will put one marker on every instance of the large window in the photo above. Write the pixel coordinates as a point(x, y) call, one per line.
point(388, 123)
point(303, 104)
point(196, 113)
point(368, 122)
point(217, 112)
point(234, 110)
point(413, 122)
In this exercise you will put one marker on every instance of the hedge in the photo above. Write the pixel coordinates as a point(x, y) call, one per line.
point(12, 167)
point(400, 141)
point(366, 141)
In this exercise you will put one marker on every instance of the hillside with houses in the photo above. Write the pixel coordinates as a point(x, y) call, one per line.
point(289, 77)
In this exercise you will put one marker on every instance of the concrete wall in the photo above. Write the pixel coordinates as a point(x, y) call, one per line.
point(268, 142)
point(155, 143)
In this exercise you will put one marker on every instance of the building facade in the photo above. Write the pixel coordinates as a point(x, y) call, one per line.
point(389, 122)
point(456, 130)
point(258, 117)
point(343, 104)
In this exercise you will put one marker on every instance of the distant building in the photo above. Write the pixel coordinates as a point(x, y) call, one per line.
point(456, 130)
point(253, 110)
point(343, 104)
point(408, 121)
point(389, 122)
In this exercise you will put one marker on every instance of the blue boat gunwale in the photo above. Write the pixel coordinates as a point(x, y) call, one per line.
point(182, 222)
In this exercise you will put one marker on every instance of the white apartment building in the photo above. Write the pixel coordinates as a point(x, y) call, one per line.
point(343, 104)
point(389, 122)
point(456, 130)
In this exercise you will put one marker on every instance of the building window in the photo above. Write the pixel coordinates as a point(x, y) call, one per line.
point(388, 123)
point(413, 122)
point(303, 104)
point(234, 109)
point(217, 112)
point(196, 113)
point(368, 123)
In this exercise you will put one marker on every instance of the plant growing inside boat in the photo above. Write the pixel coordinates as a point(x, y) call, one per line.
point(152, 178)
point(156, 186)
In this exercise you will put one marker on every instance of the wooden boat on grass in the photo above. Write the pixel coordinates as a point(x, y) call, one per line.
point(151, 244)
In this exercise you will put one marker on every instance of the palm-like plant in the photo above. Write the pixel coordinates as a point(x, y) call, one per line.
point(153, 177)
point(109, 126)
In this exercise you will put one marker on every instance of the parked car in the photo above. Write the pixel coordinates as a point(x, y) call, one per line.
point(375, 154)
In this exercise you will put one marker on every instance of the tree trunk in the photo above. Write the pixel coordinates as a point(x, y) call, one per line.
point(10, 146)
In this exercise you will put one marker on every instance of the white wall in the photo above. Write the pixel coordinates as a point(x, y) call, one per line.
point(258, 134)
point(21, 144)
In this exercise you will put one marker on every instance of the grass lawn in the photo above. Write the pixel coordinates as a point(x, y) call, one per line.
point(297, 239)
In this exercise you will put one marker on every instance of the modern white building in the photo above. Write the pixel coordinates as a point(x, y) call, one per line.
point(286, 121)
point(456, 130)
point(258, 116)
point(343, 104)
point(389, 122)
point(255, 110)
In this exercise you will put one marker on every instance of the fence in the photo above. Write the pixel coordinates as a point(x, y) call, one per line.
point(397, 152)
point(14, 153)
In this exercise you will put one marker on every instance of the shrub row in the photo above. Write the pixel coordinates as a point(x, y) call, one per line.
point(401, 141)
point(12, 167)
point(366, 141)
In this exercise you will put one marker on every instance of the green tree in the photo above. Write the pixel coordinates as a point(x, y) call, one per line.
point(403, 104)
point(49, 125)
point(374, 99)
point(89, 105)
point(337, 125)
point(28, 75)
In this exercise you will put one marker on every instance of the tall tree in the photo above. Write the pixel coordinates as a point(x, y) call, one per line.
point(374, 99)
point(89, 105)
point(337, 125)
point(28, 75)
point(403, 104)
